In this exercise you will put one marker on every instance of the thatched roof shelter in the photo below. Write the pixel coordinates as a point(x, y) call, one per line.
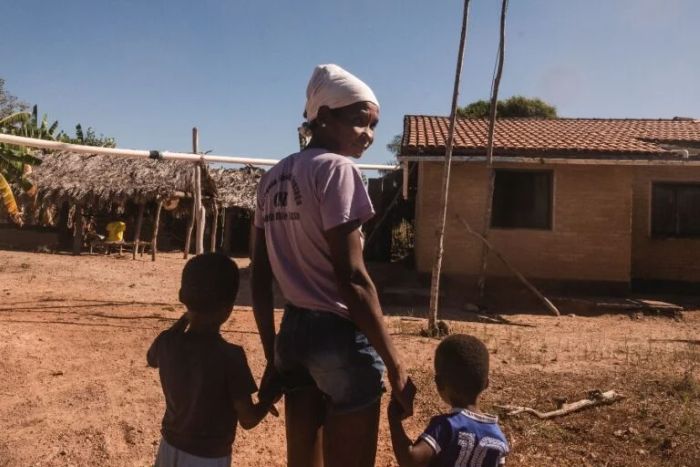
point(236, 187)
point(102, 181)
point(89, 184)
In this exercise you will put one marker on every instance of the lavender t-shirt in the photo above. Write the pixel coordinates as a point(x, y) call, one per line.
point(299, 199)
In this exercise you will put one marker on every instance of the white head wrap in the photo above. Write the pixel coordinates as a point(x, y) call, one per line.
point(334, 87)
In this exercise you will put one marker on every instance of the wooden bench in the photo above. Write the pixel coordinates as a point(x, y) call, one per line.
point(107, 246)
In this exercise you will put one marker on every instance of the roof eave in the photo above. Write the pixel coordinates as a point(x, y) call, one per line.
point(579, 159)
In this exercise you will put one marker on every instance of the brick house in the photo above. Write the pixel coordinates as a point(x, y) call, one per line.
point(578, 203)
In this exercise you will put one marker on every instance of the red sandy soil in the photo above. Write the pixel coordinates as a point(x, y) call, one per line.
point(76, 390)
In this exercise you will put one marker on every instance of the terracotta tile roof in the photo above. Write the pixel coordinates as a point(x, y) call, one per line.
point(563, 137)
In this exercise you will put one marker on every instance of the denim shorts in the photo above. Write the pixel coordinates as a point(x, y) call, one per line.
point(169, 456)
point(322, 349)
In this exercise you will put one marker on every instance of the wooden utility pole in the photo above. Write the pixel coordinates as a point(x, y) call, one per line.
point(440, 233)
point(491, 173)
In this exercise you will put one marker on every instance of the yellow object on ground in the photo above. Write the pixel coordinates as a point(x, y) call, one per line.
point(8, 200)
point(115, 231)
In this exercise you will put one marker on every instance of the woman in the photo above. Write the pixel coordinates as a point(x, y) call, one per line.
point(332, 347)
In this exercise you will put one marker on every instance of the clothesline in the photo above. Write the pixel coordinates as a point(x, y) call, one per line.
point(139, 153)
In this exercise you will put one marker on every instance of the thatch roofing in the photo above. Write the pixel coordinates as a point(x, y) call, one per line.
point(236, 187)
point(104, 182)
point(100, 181)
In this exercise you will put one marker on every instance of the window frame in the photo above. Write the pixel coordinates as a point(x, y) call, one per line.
point(675, 185)
point(550, 202)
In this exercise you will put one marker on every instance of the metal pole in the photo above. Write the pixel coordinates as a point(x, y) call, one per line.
point(138, 153)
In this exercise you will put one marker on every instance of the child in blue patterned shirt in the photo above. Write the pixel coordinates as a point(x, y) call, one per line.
point(464, 436)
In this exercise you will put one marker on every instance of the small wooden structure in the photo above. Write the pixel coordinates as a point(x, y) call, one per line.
point(98, 182)
point(73, 186)
point(236, 192)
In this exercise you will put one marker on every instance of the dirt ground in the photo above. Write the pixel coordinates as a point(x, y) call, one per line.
point(75, 389)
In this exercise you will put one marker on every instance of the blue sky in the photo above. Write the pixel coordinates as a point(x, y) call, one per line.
point(146, 71)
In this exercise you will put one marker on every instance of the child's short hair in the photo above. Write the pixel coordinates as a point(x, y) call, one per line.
point(209, 280)
point(462, 363)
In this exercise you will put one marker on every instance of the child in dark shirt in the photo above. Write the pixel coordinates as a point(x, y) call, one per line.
point(206, 381)
point(464, 436)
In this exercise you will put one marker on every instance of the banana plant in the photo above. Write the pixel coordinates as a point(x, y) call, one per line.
point(87, 137)
point(35, 128)
point(8, 201)
point(16, 161)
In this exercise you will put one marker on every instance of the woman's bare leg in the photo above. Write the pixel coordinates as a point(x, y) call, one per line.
point(350, 440)
point(304, 415)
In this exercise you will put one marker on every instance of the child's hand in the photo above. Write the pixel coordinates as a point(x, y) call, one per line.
point(403, 399)
point(270, 385)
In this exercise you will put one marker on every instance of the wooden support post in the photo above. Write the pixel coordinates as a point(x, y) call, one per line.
point(190, 226)
point(193, 213)
point(199, 210)
point(78, 230)
point(228, 219)
point(222, 219)
point(139, 225)
point(404, 186)
point(489, 149)
point(214, 225)
point(444, 192)
point(154, 239)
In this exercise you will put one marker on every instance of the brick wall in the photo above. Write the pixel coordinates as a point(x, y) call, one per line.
point(590, 239)
point(672, 259)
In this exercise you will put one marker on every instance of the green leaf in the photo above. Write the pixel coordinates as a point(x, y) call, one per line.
point(53, 128)
point(14, 119)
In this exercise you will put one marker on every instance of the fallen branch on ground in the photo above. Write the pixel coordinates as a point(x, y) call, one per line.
point(595, 398)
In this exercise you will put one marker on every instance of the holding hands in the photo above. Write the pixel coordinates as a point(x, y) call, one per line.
point(403, 393)
point(270, 389)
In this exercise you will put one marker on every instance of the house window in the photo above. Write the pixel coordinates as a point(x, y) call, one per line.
point(522, 200)
point(675, 210)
